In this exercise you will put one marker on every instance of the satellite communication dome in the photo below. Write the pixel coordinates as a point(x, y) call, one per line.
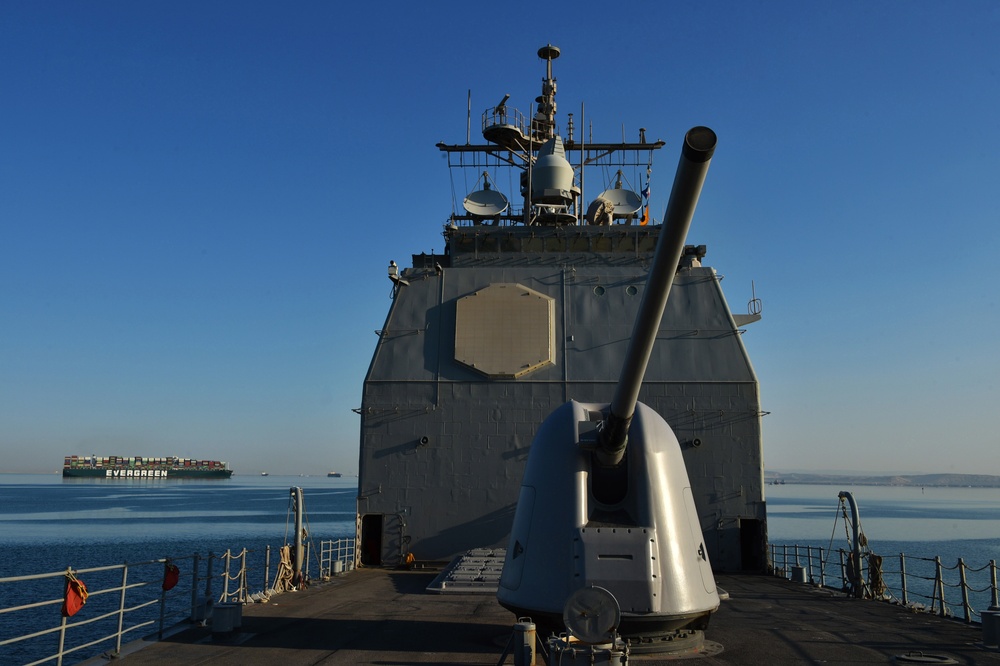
point(485, 203)
point(552, 176)
point(626, 202)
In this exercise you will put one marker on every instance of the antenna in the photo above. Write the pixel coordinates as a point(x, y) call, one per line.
point(625, 202)
point(754, 306)
point(485, 202)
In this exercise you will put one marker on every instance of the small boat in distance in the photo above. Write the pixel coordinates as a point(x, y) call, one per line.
point(264, 474)
point(335, 475)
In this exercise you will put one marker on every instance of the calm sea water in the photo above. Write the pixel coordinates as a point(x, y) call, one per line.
point(48, 524)
point(922, 523)
point(93, 522)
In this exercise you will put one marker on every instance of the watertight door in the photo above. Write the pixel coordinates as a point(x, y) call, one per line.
point(753, 545)
point(371, 539)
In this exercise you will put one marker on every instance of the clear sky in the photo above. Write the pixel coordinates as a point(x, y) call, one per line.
point(198, 202)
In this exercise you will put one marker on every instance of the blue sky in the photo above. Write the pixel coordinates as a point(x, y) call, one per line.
point(198, 202)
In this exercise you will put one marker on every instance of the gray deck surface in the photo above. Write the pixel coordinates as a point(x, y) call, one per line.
point(372, 616)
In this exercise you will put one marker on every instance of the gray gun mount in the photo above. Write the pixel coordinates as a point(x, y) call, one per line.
point(606, 500)
point(699, 145)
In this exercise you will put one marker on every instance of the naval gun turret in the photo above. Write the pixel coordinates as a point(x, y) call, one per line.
point(605, 500)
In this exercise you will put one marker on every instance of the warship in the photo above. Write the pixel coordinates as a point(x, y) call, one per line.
point(531, 305)
point(565, 389)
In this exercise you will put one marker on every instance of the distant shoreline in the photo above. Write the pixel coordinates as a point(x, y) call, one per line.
point(903, 480)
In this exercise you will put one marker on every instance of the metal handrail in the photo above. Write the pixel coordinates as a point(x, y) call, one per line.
point(141, 602)
point(105, 612)
point(332, 551)
point(925, 573)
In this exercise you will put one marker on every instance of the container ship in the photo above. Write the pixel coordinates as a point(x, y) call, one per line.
point(118, 467)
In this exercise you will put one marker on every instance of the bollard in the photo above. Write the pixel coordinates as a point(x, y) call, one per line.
point(991, 628)
point(799, 574)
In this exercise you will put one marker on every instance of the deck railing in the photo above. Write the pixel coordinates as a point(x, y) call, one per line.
point(335, 557)
point(938, 587)
point(127, 601)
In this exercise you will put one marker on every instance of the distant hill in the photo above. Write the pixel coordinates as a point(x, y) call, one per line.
point(919, 480)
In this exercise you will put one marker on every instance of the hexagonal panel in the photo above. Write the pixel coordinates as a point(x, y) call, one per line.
point(505, 331)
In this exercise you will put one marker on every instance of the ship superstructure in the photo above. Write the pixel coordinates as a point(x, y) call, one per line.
point(532, 305)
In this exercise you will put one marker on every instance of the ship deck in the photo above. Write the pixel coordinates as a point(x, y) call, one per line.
point(373, 616)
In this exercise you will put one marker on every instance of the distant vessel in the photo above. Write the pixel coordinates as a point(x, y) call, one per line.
point(264, 474)
point(117, 467)
point(335, 475)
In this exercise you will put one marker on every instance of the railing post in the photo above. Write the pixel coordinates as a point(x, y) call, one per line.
point(121, 609)
point(194, 588)
point(62, 642)
point(784, 560)
point(209, 600)
point(822, 568)
point(241, 576)
point(245, 579)
point(966, 609)
point(902, 578)
point(994, 603)
point(938, 585)
point(163, 611)
point(934, 590)
point(225, 584)
point(267, 567)
point(62, 630)
point(809, 564)
point(843, 569)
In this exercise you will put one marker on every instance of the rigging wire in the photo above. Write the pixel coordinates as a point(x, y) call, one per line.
point(288, 515)
point(836, 517)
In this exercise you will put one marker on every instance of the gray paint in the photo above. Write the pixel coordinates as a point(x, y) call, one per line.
point(458, 490)
point(443, 446)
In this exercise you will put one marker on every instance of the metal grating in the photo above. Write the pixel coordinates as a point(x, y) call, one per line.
point(476, 572)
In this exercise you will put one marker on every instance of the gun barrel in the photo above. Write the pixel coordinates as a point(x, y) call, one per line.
point(699, 145)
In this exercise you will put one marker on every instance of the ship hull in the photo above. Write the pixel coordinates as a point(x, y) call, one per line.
point(100, 473)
